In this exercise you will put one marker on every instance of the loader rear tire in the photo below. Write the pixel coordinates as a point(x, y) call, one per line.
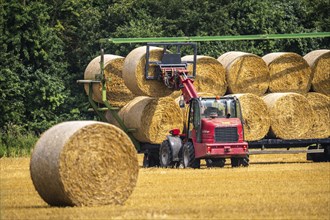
point(189, 159)
point(165, 154)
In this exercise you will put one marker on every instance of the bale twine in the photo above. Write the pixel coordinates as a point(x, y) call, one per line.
point(134, 73)
point(289, 72)
point(255, 115)
point(117, 93)
point(291, 115)
point(319, 61)
point(245, 72)
point(84, 163)
point(152, 118)
point(321, 107)
point(210, 74)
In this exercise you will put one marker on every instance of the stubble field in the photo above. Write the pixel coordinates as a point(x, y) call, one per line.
point(272, 187)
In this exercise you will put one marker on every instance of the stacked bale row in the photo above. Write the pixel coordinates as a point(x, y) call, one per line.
point(239, 73)
point(294, 113)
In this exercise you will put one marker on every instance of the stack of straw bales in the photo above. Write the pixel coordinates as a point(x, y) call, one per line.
point(245, 73)
point(117, 93)
point(84, 163)
point(319, 61)
point(292, 116)
point(211, 75)
point(152, 118)
point(289, 72)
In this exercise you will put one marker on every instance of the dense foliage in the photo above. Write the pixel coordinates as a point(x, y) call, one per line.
point(46, 45)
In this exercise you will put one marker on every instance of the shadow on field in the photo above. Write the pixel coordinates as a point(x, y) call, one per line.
point(279, 162)
point(28, 207)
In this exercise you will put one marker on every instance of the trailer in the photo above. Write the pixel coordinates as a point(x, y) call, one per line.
point(317, 150)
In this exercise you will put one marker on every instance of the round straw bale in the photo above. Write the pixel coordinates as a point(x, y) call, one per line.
point(152, 118)
point(84, 163)
point(117, 92)
point(255, 115)
point(289, 72)
point(321, 107)
point(319, 61)
point(210, 74)
point(291, 115)
point(134, 73)
point(245, 72)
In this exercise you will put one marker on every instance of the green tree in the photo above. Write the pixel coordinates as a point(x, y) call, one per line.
point(32, 67)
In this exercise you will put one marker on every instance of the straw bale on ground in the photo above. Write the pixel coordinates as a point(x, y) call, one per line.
point(84, 163)
point(291, 115)
point(117, 93)
point(210, 74)
point(134, 73)
point(255, 115)
point(152, 118)
point(319, 61)
point(245, 72)
point(321, 107)
point(289, 72)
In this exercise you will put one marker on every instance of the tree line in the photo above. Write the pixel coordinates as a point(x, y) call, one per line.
point(46, 45)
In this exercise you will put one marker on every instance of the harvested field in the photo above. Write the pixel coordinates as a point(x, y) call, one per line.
point(273, 187)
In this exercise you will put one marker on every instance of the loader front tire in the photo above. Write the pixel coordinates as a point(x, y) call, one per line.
point(189, 159)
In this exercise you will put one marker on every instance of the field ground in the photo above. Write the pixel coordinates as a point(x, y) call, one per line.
point(272, 187)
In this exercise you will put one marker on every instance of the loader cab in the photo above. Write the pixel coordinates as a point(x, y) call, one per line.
point(225, 107)
point(212, 110)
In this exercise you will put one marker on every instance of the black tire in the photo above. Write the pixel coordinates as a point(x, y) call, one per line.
point(165, 155)
point(189, 159)
point(245, 161)
point(327, 153)
point(151, 159)
point(234, 162)
point(215, 162)
point(240, 161)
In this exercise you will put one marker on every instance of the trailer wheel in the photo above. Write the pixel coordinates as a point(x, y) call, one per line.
point(165, 154)
point(327, 152)
point(150, 159)
point(318, 157)
point(215, 162)
point(189, 159)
